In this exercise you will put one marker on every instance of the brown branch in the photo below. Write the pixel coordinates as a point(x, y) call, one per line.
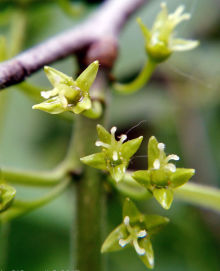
point(105, 23)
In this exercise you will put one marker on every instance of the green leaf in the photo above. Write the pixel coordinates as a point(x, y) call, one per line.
point(153, 151)
point(112, 241)
point(143, 177)
point(181, 176)
point(87, 77)
point(154, 223)
point(96, 160)
point(7, 194)
point(118, 172)
point(56, 77)
point(103, 134)
point(148, 257)
point(130, 210)
point(130, 147)
point(164, 196)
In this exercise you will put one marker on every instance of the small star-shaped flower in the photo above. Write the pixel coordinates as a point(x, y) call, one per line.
point(135, 230)
point(162, 176)
point(68, 94)
point(160, 40)
point(115, 155)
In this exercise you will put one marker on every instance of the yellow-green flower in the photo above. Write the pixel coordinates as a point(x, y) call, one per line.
point(68, 94)
point(115, 155)
point(136, 230)
point(160, 40)
point(162, 176)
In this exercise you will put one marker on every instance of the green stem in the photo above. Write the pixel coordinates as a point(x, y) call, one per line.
point(139, 82)
point(21, 207)
point(33, 178)
point(89, 193)
point(200, 195)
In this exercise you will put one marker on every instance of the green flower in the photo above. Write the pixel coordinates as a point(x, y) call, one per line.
point(68, 95)
point(160, 40)
point(162, 176)
point(7, 194)
point(115, 155)
point(135, 230)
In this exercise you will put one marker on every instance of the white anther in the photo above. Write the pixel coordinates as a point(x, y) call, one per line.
point(142, 234)
point(140, 251)
point(102, 144)
point(115, 156)
point(161, 146)
point(123, 242)
point(113, 130)
point(123, 138)
point(45, 94)
point(126, 220)
point(171, 167)
point(172, 157)
point(156, 164)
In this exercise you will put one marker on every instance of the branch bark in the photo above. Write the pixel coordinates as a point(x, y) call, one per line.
point(104, 23)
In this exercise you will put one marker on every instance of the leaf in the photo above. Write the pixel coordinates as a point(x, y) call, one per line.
point(103, 134)
point(87, 77)
point(143, 177)
point(164, 196)
point(112, 241)
point(130, 210)
point(148, 257)
point(130, 147)
point(181, 176)
point(96, 160)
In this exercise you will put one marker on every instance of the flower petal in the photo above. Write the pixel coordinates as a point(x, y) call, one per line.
point(118, 172)
point(154, 223)
point(112, 241)
point(130, 147)
point(96, 160)
point(183, 45)
point(87, 77)
point(148, 257)
point(130, 210)
point(181, 176)
point(164, 196)
point(85, 104)
point(56, 77)
point(103, 134)
point(52, 106)
point(143, 177)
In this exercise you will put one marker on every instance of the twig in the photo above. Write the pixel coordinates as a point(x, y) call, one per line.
point(106, 22)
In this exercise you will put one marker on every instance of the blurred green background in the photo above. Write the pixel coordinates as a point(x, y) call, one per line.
point(180, 106)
